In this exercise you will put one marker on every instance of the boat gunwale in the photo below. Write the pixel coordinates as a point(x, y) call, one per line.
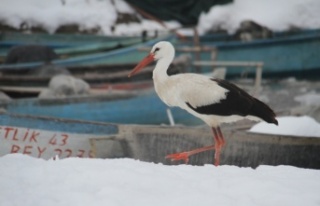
point(260, 42)
point(83, 58)
point(100, 128)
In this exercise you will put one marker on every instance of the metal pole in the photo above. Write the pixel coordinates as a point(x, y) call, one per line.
point(170, 117)
point(257, 85)
point(196, 44)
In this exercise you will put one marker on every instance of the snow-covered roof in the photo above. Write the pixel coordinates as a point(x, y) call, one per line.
point(87, 14)
point(277, 15)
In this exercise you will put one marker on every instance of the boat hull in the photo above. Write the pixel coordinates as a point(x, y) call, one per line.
point(145, 108)
point(295, 54)
point(51, 137)
point(127, 55)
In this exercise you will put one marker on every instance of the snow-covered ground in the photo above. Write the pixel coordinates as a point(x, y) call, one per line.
point(26, 181)
point(277, 15)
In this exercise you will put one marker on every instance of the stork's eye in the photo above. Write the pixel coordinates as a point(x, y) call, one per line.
point(156, 49)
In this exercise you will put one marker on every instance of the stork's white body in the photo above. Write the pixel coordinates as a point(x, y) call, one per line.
point(212, 100)
point(197, 90)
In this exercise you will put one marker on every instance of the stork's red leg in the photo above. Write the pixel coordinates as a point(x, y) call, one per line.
point(219, 143)
point(221, 136)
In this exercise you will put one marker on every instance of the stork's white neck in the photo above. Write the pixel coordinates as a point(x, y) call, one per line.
point(160, 71)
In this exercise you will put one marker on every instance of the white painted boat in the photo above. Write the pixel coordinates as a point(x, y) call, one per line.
point(45, 138)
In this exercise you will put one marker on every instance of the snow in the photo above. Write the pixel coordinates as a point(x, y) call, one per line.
point(89, 14)
point(303, 126)
point(27, 181)
point(309, 99)
point(277, 15)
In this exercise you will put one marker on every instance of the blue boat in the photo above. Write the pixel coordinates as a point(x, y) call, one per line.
point(52, 138)
point(68, 45)
point(9, 39)
point(283, 54)
point(127, 55)
point(46, 137)
point(130, 108)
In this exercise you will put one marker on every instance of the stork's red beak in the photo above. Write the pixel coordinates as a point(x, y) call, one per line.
point(147, 60)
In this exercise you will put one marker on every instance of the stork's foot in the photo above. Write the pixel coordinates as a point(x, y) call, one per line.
point(185, 155)
point(217, 155)
point(219, 144)
point(179, 156)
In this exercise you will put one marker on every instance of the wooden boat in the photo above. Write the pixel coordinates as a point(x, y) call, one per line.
point(127, 55)
point(97, 47)
point(135, 107)
point(29, 84)
point(93, 77)
point(284, 54)
point(86, 47)
point(45, 138)
point(16, 92)
point(9, 39)
point(93, 74)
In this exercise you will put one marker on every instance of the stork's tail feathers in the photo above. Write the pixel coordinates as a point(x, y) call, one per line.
point(263, 111)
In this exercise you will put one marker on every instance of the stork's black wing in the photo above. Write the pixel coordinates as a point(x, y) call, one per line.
point(237, 102)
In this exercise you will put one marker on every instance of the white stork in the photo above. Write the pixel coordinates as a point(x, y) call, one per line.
point(214, 101)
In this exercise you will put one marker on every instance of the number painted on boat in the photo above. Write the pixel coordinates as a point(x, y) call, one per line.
point(43, 144)
point(60, 139)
